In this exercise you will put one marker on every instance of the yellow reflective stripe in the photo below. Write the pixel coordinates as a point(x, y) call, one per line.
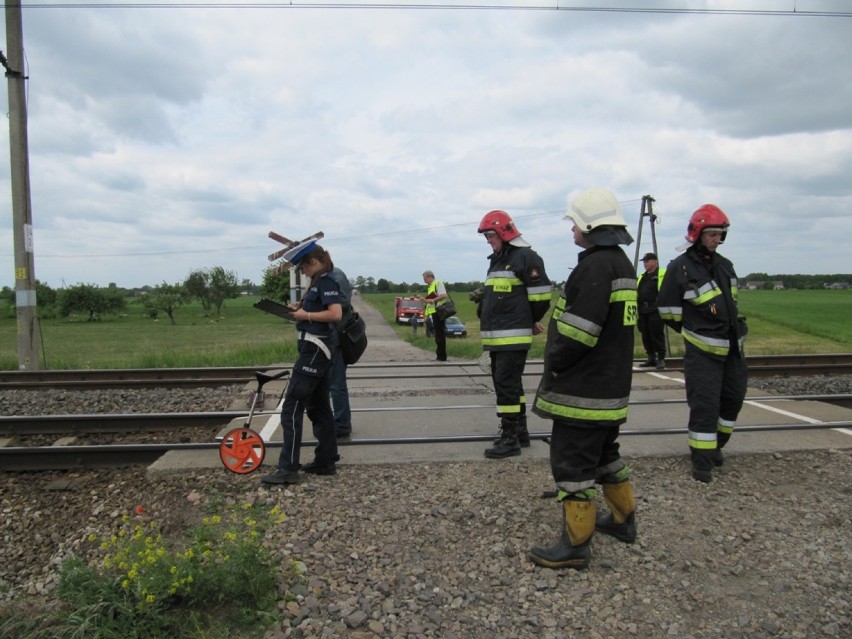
point(706, 344)
point(510, 408)
point(581, 414)
point(507, 341)
point(704, 294)
point(704, 441)
point(502, 282)
point(579, 329)
point(539, 297)
point(725, 426)
point(674, 313)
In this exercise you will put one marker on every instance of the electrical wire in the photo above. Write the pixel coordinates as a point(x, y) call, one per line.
point(407, 6)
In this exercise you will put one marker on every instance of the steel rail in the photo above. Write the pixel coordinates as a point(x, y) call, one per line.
point(100, 423)
point(761, 365)
point(83, 457)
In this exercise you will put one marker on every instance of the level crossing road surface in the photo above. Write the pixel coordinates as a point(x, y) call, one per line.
point(445, 411)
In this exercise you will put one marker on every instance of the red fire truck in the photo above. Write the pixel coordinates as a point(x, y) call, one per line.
point(408, 306)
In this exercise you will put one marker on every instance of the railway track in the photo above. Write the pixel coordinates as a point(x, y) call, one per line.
point(140, 438)
point(759, 366)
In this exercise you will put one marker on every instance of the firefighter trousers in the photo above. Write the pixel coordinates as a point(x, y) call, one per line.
point(507, 374)
point(715, 391)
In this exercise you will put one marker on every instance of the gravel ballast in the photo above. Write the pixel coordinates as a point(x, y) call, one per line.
point(440, 550)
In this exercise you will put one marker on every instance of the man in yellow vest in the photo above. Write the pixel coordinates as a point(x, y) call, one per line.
point(649, 322)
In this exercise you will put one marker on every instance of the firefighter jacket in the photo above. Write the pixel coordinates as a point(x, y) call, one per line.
point(647, 287)
point(698, 299)
point(588, 360)
point(517, 294)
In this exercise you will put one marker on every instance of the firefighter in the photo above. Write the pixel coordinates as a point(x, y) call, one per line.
point(515, 298)
point(585, 387)
point(698, 299)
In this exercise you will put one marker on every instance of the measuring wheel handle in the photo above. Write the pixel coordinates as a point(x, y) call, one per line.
point(242, 450)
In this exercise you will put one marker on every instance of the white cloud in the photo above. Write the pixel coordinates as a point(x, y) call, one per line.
point(166, 140)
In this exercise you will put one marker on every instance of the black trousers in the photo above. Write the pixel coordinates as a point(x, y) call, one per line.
point(581, 455)
point(653, 332)
point(507, 374)
point(715, 391)
point(440, 328)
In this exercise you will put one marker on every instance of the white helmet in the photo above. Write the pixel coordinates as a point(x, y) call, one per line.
point(593, 208)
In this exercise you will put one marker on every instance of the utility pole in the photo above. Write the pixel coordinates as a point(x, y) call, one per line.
point(647, 211)
point(22, 218)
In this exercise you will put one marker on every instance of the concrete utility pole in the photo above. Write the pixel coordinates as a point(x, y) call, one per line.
point(22, 219)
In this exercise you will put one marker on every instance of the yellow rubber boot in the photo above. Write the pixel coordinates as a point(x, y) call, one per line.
point(620, 522)
point(573, 548)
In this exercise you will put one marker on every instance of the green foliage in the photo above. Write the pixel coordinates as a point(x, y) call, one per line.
point(93, 300)
point(167, 298)
point(275, 286)
point(212, 287)
point(218, 581)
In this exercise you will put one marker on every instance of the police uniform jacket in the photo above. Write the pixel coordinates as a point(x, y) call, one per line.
point(647, 287)
point(588, 360)
point(517, 294)
point(698, 299)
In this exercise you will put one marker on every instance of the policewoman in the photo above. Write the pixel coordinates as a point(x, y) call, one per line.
point(308, 391)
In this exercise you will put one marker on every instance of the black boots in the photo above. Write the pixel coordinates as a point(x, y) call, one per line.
point(620, 522)
point(702, 464)
point(573, 548)
point(507, 445)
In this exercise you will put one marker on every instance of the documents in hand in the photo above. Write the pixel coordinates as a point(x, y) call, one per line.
point(275, 308)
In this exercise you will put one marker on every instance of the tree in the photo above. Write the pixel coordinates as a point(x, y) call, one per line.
point(276, 286)
point(94, 300)
point(197, 285)
point(212, 287)
point(224, 285)
point(167, 298)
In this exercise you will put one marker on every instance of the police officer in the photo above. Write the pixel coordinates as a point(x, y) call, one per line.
point(650, 324)
point(585, 387)
point(698, 299)
point(515, 298)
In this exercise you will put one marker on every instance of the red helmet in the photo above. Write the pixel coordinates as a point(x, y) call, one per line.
point(706, 217)
point(501, 223)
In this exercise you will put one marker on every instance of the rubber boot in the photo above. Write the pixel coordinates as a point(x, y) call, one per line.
point(718, 455)
point(702, 464)
point(573, 550)
point(648, 363)
point(523, 432)
point(620, 522)
point(507, 445)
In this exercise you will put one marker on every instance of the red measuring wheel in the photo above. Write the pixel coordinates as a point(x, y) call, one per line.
point(242, 450)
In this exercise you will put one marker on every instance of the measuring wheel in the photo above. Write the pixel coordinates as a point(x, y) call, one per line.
point(242, 450)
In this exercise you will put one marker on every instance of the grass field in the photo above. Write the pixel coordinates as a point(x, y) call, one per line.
point(780, 322)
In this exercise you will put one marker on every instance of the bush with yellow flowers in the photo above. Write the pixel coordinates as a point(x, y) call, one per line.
point(218, 581)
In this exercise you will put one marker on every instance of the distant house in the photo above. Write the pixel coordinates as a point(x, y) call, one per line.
point(837, 286)
point(758, 285)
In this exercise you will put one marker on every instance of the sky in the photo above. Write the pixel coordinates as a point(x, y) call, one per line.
point(167, 139)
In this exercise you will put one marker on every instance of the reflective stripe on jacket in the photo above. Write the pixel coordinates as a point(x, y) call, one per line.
point(588, 360)
point(698, 298)
point(517, 294)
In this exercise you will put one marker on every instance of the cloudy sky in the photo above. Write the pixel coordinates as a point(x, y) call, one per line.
point(166, 139)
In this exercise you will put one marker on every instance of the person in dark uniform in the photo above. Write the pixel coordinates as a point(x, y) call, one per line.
point(308, 391)
point(698, 299)
point(585, 387)
point(338, 388)
point(650, 324)
point(516, 296)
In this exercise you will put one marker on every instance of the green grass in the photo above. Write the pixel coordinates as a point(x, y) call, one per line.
point(780, 322)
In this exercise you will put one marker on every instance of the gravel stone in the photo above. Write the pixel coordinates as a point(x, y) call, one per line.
point(440, 549)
